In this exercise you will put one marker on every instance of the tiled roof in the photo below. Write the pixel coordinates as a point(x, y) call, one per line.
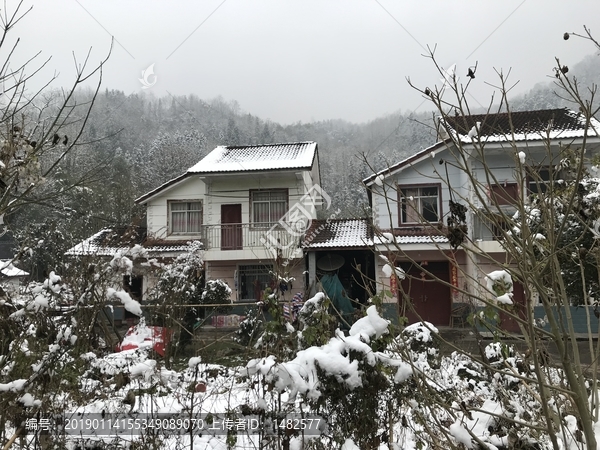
point(421, 239)
point(109, 241)
point(338, 233)
point(522, 125)
point(403, 236)
point(296, 155)
point(165, 246)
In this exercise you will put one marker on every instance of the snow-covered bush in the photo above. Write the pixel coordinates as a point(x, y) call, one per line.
point(317, 325)
point(337, 379)
point(217, 292)
point(180, 283)
point(251, 327)
point(419, 343)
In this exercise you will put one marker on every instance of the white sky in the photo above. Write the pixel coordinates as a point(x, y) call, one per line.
point(306, 60)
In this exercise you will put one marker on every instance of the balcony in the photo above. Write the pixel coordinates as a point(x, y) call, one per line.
point(243, 236)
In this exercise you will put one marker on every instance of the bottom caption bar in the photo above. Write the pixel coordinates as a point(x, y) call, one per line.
point(97, 424)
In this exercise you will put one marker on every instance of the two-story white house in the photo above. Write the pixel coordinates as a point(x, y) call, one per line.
point(411, 201)
point(233, 201)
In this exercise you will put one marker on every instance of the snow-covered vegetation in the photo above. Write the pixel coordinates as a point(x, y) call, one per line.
point(365, 389)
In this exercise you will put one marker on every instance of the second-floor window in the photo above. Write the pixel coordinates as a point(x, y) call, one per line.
point(268, 206)
point(185, 217)
point(419, 204)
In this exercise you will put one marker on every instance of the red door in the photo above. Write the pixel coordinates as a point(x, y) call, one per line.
point(423, 297)
point(507, 323)
point(231, 227)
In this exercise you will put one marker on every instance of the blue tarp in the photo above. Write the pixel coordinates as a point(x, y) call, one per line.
point(335, 291)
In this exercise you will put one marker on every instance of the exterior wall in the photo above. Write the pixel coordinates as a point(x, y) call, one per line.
point(235, 189)
point(192, 188)
point(224, 190)
point(580, 316)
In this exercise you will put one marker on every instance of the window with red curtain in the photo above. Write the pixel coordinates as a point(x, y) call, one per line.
point(185, 217)
point(268, 206)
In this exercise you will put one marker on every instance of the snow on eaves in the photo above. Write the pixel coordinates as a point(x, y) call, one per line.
point(520, 125)
point(415, 239)
point(100, 244)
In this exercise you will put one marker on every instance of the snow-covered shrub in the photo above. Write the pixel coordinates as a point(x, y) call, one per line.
point(339, 380)
point(250, 328)
point(418, 341)
point(217, 292)
point(316, 323)
point(180, 283)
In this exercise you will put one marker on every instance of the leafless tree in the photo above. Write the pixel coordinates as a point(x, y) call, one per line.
point(544, 237)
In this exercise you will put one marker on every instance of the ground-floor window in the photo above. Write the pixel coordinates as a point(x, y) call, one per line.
point(253, 279)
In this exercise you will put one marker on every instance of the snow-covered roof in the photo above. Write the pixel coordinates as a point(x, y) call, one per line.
point(110, 241)
point(338, 233)
point(106, 242)
point(522, 125)
point(9, 270)
point(517, 127)
point(295, 155)
point(247, 158)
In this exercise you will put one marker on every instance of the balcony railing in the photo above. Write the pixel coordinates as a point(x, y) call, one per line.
point(240, 236)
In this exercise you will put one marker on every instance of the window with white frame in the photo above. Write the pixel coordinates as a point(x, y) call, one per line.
point(185, 217)
point(419, 204)
point(268, 206)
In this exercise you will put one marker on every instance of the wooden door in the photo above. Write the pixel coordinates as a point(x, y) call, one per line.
point(423, 297)
point(231, 227)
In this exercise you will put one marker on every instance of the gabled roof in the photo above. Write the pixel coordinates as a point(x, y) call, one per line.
point(110, 241)
point(410, 160)
point(247, 158)
point(523, 125)
point(526, 126)
point(338, 233)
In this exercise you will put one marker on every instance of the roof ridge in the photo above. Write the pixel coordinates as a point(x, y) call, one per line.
point(266, 145)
